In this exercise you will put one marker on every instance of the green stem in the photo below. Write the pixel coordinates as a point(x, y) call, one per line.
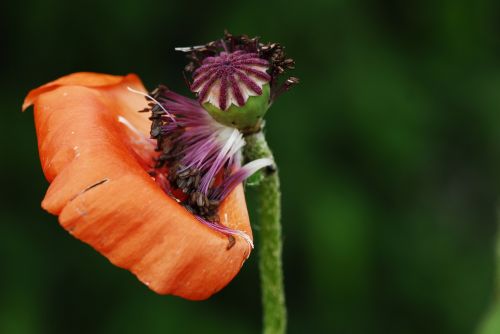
point(271, 272)
point(491, 321)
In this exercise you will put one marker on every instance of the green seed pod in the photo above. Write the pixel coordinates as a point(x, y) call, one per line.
point(234, 88)
point(245, 117)
point(237, 78)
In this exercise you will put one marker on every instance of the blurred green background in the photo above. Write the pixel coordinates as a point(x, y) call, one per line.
point(388, 150)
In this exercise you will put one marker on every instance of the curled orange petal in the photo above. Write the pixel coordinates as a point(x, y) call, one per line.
point(95, 152)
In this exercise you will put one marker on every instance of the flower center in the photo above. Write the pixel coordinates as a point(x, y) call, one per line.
point(200, 160)
point(230, 78)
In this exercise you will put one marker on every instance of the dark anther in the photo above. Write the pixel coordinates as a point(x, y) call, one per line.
point(155, 132)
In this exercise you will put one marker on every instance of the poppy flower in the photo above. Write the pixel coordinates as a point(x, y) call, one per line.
point(157, 192)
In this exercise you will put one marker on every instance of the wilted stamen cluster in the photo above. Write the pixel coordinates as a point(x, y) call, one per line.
point(200, 160)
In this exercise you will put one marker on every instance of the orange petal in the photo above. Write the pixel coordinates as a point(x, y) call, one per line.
point(95, 151)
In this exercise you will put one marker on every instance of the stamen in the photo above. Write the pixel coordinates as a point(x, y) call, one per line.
point(188, 48)
point(239, 176)
point(201, 157)
point(142, 146)
point(152, 99)
point(226, 230)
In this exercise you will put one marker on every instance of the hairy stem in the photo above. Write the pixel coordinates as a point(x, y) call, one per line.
point(271, 272)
